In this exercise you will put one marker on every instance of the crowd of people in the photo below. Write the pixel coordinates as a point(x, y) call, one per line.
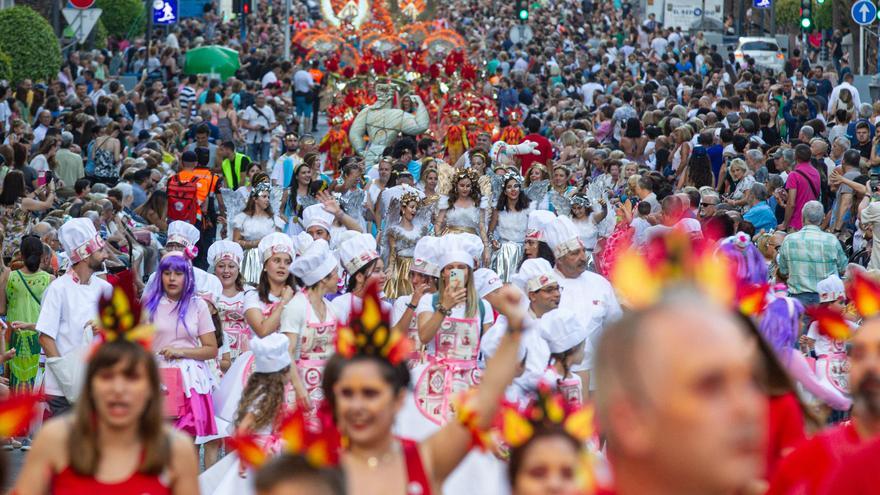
point(454, 305)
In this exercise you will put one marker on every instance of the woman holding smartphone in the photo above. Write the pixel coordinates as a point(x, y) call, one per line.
point(451, 324)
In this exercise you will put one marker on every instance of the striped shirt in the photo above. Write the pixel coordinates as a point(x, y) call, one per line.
point(808, 256)
point(188, 96)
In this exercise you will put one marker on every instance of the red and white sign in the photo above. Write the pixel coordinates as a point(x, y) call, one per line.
point(82, 4)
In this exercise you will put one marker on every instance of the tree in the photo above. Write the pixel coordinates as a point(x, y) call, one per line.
point(824, 15)
point(27, 38)
point(123, 18)
point(788, 13)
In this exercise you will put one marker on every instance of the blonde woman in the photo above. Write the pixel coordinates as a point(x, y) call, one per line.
point(681, 152)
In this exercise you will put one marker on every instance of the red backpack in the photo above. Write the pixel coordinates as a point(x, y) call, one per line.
point(182, 201)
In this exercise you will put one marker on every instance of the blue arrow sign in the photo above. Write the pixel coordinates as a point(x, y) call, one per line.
point(864, 12)
point(762, 4)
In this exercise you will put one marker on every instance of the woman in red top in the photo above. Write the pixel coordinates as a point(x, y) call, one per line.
point(115, 442)
point(366, 390)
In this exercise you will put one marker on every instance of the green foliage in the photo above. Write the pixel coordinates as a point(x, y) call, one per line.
point(788, 13)
point(824, 14)
point(100, 35)
point(123, 18)
point(5, 67)
point(29, 42)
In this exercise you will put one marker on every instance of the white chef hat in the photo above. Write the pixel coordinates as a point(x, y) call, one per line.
point(535, 274)
point(460, 248)
point(80, 239)
point(225, 250)
point(317, 216)
point(270, 353)
point(275, 243)
point(538, 219)
point(831, 289)
point(486, 281)
point(355, 252)
point(315, 263)
point(562, 236)
point(426, 255)
point(183, 233)
point(301, 242)
point(562, 329)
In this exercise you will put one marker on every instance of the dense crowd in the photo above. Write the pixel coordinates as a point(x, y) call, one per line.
point(475, 283)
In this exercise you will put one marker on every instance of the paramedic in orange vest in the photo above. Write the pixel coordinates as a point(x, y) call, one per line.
point(194, 165)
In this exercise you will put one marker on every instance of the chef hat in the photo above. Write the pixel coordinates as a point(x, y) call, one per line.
point(486, 282)
point(317, 216)
point(538, 219)
point(535, 274)
point(80, 239)
point(315, 263)
point(301, 242)
point(562, 236)
point(225, 250)
point(341, 237)
point(356, 252)
point(183, 233)
point(460, 248)
point(275, 243)
point(426, 255)
point(562, 329)
point(831, 289)
point(270, 353)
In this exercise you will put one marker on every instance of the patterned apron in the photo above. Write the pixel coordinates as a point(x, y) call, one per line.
point(316, 345)
point(235, 327)
point(452, 369)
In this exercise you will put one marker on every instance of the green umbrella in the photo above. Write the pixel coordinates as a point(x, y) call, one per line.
point(213, 59)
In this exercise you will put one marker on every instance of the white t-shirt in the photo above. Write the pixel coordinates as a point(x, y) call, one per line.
point(343, 305)
point(66, 309)
point(295, 314)
point(267, 120)
point(824, 344)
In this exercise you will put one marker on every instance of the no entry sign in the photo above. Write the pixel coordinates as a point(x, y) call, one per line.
point(82, 4)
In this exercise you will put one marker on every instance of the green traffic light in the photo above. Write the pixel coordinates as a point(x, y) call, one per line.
point(806, 22)
point(523, 14)
point(820, 2)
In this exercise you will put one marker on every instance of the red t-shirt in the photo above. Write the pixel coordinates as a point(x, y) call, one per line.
point(785, 430)
point(807, 181)
point(857, 474)
point(814, 461)
point(544, 147)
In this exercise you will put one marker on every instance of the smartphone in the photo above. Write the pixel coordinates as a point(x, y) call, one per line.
point(457, 277)
point(41, 179)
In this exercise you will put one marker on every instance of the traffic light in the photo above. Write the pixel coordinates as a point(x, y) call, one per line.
point(820, 2)
point(522, 10)
point(807, 15)
point(241, 6)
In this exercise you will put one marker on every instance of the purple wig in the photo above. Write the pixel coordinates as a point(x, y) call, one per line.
point(155, 292)
point(751, 268)
point(781, 323)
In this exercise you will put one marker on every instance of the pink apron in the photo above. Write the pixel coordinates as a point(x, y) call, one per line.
point(289, 394)
point(417, 356)
point(235, 327)
point(315, 348)
point(571, 389)
point(452, 369)
point(834, 368)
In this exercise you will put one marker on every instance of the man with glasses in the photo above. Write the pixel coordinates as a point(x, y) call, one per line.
point(812, 465)
point(584, 292)
point(708, 204)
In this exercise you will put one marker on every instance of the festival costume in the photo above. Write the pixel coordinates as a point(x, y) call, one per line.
point(400, 244)
point(253, 229)
point(456, 141)
point(270, 356)
point(196, 416)
point(563, 331)
point(510, 232)
point(24, 293)
point(335, 143)
point(67, 482)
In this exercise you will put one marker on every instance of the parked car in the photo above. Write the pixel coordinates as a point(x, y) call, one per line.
point(765, 52)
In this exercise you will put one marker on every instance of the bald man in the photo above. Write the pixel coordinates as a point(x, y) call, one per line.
point(809, 468)
point(677, 401)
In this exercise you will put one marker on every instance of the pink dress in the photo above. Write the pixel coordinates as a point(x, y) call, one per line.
point(197, 412)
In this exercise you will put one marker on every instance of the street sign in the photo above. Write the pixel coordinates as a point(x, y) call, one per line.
point(82, 4)
point(81, 21)
point(763, 4)
point(164, 12)
point(520, 33)
point(864, 12)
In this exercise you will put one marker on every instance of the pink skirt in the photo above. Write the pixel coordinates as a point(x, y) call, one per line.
point(198, 415)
